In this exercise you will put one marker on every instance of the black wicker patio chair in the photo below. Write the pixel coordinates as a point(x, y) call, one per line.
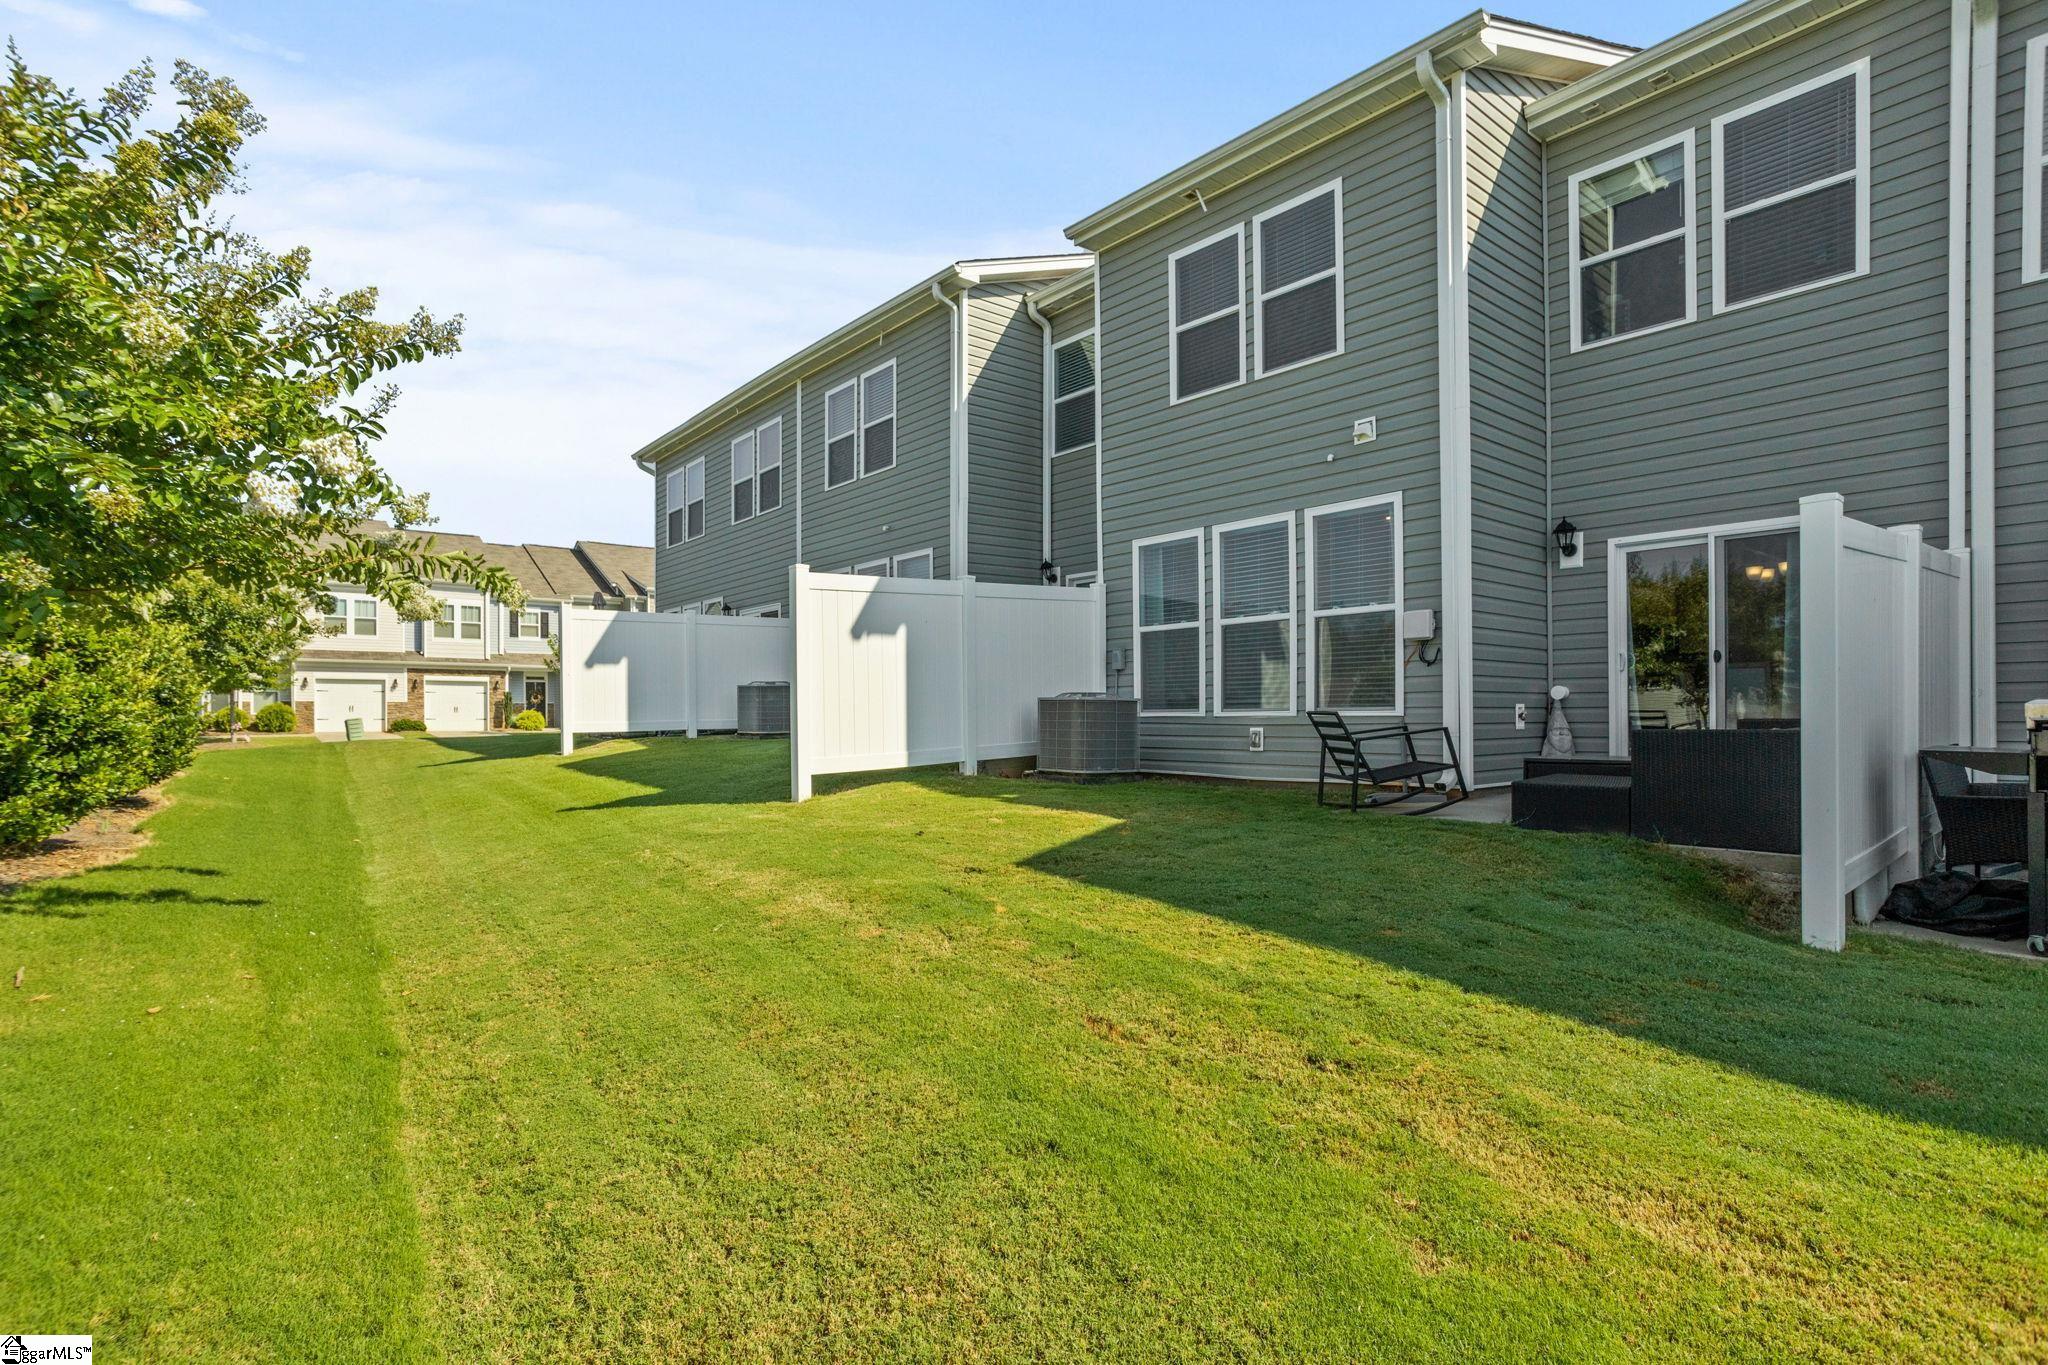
point(1981, 822)
point(1344, 758)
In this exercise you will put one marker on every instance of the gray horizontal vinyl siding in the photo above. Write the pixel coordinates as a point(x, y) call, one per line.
point(1510, 532)
point(1005, 435)
point(902, 509)
point(1282, 443)
point(2022, 497)
point(747, 563)
point(1073, 472)
point(1725, 419)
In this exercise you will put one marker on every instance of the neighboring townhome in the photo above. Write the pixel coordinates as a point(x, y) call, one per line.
point(1065, 314)
point(909, 442)
point(478, 661)
point(1321, 374)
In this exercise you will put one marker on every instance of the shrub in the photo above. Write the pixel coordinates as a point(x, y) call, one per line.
point(410, 724)
point(228, 717)
point(276, 719)
point(529, 720)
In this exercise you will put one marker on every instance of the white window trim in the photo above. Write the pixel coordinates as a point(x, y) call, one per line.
point(1293, 652)
point(711, 606)
point(705, 498)
point(463, 623)
point(764, 609)
point(862, 423)
point(752, 439)
point(1095, 380)
point(1138, 628)
point(1260, 297)
point(1315, 613)
point(676, 480)
point(781, 431)
point(826, 422)
point(1687, 231)
point(446, 615)
point(2036, 154)
point(896, 562)
point(1860, 69)
point(877, 568)
point(1086, 578)
point(1175, 328)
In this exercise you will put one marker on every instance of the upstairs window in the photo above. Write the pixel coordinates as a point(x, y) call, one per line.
point(676, 500)
point(915, 565)
point(1792, 190)
point(693, 499)
point(1205, 305)
point(333, 616)
point(1299, 269)
point(444, 623)
point(1168, 606)
point(1255, 617)
point(363, 616)
point(1632, 244)
point(2033, 242)
point(1354, 607)
point(842, 419)
point(878, 419)
point(532, 625)
point(473, 623)
point(1073, 394)
point(743, 478)
point(768, 464)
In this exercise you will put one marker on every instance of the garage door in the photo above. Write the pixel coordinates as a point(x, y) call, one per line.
point(336, 700)
point(453, 707)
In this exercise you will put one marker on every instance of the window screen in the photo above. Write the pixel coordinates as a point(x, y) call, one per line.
point(1255, 617)
point(1633, 263)
point(1208, 316)
point(768, 465)
point(1790, 183)
point(1073, 388)
point(1169, 611)
point(1299, 282)
point(1355, 605)
point(743, 478)
point(878, 419)
point(842, 412)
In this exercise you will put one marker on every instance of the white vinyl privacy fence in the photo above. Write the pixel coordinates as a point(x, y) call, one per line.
point(901, 672)
point(636, 672)
point(1884, 672)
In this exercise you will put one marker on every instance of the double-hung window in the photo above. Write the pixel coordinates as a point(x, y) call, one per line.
point(1255, 617)
point(878, 419)
point(530, 625)
point(1073, 394)
point(1297, 261)
point(1205, 307)
point(877, 567)
point(363, 616)
point(2033, 241)
point(842, 441)
point(472, 622)
point(1632, 243)
point(917, 564)
point(1168, 610)
point(1792, 189)
point(333, 615)
point(693, 499)
point(444, 622)
point(743, 478)
point(768, 464)
point(1354, 605)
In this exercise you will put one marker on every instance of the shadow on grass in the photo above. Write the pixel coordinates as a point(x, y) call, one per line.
point(485, 748)
point(716, 770)
point(70, 902)
point(1619, 935)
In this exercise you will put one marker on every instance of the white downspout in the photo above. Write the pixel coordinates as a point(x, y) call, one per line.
point(1958, 271)
point(1983, 375)
point(799, 471)
point(1045, 430)
point(1454, 405)
point(956, 384)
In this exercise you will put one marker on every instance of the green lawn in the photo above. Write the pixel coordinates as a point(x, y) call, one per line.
point(466, 1051)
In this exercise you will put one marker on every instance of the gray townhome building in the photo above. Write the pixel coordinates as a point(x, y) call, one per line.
point(909, 442)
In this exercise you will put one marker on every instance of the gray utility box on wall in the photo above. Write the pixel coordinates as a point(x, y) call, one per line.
point(764, 708)
point(1088, 735)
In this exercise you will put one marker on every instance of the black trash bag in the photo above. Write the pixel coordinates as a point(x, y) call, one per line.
point(1956, 904)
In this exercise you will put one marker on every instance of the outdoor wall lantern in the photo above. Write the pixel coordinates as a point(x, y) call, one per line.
point(1571, 551)
point(1048, 571)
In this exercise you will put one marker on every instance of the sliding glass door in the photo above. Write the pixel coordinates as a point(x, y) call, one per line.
point(1707, 631)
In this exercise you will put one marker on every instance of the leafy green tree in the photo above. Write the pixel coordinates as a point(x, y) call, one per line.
point(238, 638)
point(174, 398)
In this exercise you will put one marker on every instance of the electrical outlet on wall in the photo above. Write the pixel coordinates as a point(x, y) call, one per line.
point(1258, 745)
point(1521, 715)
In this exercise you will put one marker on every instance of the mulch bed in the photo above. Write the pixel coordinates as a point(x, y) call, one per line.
point(108, 835)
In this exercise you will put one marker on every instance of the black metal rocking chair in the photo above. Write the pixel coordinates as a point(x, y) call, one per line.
point(1344, 758)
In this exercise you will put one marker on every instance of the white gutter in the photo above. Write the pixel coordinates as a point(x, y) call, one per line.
point(1045, 416)
point(1983, 371)
point(1454, 404)
point(956, 404)
point(1958, 270)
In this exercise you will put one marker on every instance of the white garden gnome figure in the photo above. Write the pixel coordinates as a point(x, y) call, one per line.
point(1557, 731)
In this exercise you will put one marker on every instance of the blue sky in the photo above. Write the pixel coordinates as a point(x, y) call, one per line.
point(638, 206)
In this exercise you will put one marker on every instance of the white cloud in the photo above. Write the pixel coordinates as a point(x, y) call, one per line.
point(66, 18)
point(182, 10)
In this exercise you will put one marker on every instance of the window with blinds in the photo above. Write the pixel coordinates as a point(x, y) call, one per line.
point(676, 502)
point(1168, 610)
point(768, 465)
point(1205, 301)
point(693, 499)
point(1791, 190)
point(1299, 269)
point(743, 478)
point(915, 565)
point(1255, 617)
point(1632, 244)
point(1354, 573)
point(1073, 394)
point(842, 420)
point(878, 419)
point(2034, 167)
